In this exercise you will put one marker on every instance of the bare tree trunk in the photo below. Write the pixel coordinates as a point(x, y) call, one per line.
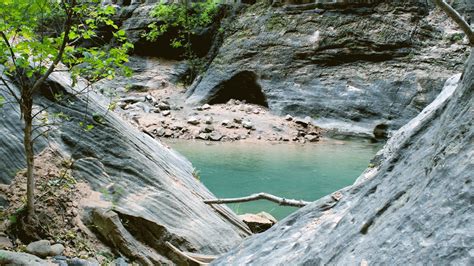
point(454, 15)
point(27, 106)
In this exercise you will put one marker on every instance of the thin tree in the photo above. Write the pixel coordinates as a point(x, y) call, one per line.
point(31, 50)
point(454, 15)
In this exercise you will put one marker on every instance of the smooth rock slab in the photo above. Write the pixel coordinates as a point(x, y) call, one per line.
point(414, 207)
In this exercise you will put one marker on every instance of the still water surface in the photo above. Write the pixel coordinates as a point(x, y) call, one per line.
point(306, 172)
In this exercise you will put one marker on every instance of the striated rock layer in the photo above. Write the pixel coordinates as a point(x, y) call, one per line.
point(350, 69)
point(415, 207)
point(150, 186)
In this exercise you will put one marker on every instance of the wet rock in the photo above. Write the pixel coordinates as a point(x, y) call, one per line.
point(41, 248)
point(193, 121)
point(288, 118)
point(166, 113)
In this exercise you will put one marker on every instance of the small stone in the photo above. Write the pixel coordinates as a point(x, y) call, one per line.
point(231, 102)
point(225, 122)
point(256, 111)
point(247, 124)
point(60, 257)
point(303, 122)
point(257, 223)
point(203, 136)
point(207, 129)
point(288, 118)
point(208, 120)
point(166, 113)
point(150, 98)
point(206, 107)
point(238, 120)
point(311, 138)
point(193, 120)
point(120, 262)
point(41, 248)
point(5, 242)
point(56, 249)
point(82, 262)
point(163, 106)
point(215, 136)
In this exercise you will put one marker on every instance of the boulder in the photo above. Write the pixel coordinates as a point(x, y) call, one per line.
point(41, 248)
point(19, 258)
point(414, 206)
point(258, 223)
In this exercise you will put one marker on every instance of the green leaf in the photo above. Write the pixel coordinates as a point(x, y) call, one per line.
point(2, 101)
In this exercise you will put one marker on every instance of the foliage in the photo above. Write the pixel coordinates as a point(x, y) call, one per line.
point(187, 19)
point(30, 52)
point(34, 47)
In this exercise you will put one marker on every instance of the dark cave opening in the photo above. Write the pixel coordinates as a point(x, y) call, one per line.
point(242, 86)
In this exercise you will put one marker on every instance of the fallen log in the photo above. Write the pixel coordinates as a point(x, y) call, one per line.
point(260, 196)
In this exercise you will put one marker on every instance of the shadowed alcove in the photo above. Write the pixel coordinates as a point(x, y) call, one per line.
point(242, 86)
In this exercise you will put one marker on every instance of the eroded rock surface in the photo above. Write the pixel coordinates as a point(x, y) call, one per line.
point(349, 69)
point(139, 176)
point(413, 208)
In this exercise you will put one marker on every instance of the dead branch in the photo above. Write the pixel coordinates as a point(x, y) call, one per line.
point(454, 15)
point(199, 259)
point(260, 196)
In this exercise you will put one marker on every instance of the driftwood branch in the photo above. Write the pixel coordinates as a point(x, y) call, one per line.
point(260, 196)
point(196, 258)
point(454, 15)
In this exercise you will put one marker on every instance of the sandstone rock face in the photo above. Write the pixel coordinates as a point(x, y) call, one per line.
point(148, 182)
point(415, 207)
point(349, 69)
